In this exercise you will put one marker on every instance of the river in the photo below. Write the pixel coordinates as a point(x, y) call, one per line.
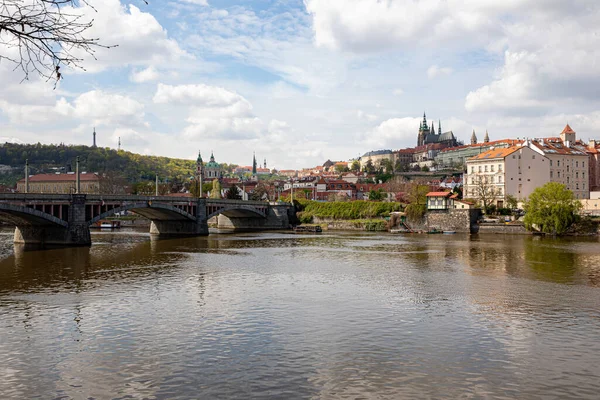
point(278, 315)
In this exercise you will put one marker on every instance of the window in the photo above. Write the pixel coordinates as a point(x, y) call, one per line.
point(514, 157)
point(568, 179)
point(472, 170)
point(533, 157)
point(499, 167)
point(550, 162)
point(492, 168)
point(551, 175)
point(558, 174)
point(576, 175)
point(558, 163)
point(577, 164)
point(499, 179)
point(480, 168)
point(486, 168)
point(583, 175)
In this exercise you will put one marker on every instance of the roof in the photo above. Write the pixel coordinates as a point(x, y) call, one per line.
point(83, 177)
point(556, 146)
point(495, 153)
point(567, 130)
point(377, 153)
point(511, 142)
point(439, 194)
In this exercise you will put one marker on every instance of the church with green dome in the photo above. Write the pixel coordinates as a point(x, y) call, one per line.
point(212, 169)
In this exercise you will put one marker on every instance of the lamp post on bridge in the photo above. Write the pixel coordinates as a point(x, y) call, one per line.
point(156, 186)
point(77, 178)
point(27, 176)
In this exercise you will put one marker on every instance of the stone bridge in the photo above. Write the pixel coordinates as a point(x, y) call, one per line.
point(57, 219)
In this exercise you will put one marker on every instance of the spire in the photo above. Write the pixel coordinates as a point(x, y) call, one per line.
point(440, 127)
point(199, 159)
point(487, 137)
point(212, 157)
point(424, 121)
point(473, 138)
point(253, 163)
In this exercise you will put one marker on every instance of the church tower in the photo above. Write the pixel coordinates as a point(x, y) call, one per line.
point(473, 138)
point(486, 139)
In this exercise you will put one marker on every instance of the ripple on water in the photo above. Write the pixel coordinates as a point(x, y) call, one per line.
point(277, 315)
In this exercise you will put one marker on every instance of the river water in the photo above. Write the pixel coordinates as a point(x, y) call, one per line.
point(278, 315)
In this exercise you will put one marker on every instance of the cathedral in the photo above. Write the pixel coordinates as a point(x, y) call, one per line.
point(427, 135)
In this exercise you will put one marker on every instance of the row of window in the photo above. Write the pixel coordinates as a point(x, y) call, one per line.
point(485, 168)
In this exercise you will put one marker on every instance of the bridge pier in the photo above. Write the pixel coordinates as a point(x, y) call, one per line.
point(277, 219)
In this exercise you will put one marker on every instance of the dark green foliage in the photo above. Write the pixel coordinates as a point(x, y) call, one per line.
point(551, 209)
point(349, 209)
point(376, 195)
point(415, 212)
point(305, 217)
point(233, 193)
point(133, 167)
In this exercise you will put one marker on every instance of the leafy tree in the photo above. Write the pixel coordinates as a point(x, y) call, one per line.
point(233, 193)
point(417, 196)
point(339, 168)
point(551, 209)
point(376, 195)
point(425, 168)
point(261, 192)
point(355, 166)
point(511, 201)
point(369, 167)
point(387, 165)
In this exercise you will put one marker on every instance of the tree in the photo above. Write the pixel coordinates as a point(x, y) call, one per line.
point(417, 197)
point(511, 202)
point(387, 165)
point(261, 192)
point(369, 168)
point(551, 209)
point(355, 166)
point(41, 36)
point(376, 195)
point(485, 191)
point(339, 168)
point(233, 193)
point(113, 183)
point(425, 168)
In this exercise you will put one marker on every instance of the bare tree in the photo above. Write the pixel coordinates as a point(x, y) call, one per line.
point(485, 191)
point(41, 36)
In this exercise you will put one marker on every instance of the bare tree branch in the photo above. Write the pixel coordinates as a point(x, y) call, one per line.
point(41, 36)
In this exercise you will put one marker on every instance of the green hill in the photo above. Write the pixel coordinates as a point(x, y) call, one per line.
point(133, 167)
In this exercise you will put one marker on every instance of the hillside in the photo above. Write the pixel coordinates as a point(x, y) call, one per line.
point(60, 158)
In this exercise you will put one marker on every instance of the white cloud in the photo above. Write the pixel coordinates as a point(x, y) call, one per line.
point(197, 2)
point(435, 71)
point(144, 75)
point(398, 92)
point(365, 116)
point(139, 37)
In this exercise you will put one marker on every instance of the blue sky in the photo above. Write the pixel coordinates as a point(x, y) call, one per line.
point(300, 82)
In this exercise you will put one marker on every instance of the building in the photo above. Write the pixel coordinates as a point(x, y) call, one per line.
point(376, 157)
point(496, 173)
point(61, 183)
point(439, 201)
point(593, 151)
point(428, 135)
point(569, 162)
point(458, 156)
point(212, 169)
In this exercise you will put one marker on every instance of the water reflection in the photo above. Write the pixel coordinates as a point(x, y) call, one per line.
point(337, 315)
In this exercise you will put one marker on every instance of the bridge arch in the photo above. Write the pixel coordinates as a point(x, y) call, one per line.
point(152, 211)
point(21, 215)
point(238, 211)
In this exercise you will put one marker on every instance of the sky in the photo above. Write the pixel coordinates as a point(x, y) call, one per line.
point(299, 82)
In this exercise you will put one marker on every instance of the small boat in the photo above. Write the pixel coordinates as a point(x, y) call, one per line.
point(449, 232)
point(399, 231)
point(107, 224)
point(308, 229)
point(434, 230)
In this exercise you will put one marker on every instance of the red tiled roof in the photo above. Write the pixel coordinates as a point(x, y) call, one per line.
point(568, 129)
point(439, 194)
point(62, 177)
point(496, 153)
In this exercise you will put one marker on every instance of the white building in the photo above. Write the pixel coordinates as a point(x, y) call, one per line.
point(514, 171)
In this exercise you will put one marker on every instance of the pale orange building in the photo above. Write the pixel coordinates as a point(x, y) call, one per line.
point(61, 183)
